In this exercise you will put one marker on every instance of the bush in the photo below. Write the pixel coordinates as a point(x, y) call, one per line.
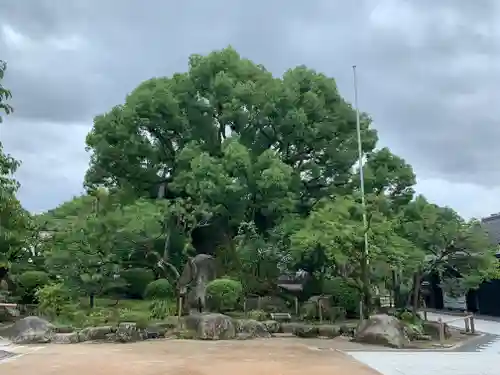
point(52, 298)
point(259, 315)
point(223, 294)
point(29, 282)
point(159, 309)
point(159, 289)
point(140, 318)
point(343, 295)
point(137, 280)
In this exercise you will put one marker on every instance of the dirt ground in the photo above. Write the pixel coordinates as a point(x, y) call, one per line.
point(178, 357)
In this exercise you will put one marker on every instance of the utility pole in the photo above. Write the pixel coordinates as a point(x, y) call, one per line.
point(364, 258)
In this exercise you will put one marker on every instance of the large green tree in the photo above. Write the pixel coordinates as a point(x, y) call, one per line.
point(335, 232)
point(218, 127)
point(13, 218)
point(228, 144)
point(454, 248)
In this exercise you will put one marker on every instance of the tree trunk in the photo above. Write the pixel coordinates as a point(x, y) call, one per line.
point(91, 301)
point(416, 292)
point(396, 289)
point(365, 281)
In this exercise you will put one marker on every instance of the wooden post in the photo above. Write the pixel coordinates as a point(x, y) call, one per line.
point(472, 325)
point(441, 330)
point(259, 298)
point(296, 305)
point(320, 310)
point(245, 306)
point(179, 312)
point(361, 316)
point(466, 320)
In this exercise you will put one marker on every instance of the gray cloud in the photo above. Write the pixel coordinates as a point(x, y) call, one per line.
point(427, 72)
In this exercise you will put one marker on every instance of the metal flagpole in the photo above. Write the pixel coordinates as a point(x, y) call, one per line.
point(360, 159)
point(361, 176)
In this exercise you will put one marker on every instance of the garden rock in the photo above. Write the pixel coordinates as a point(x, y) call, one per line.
point(272, 326)
point(168, 323)
point(128, 332)
point(252, 328)
point(181, 334)
point(32, 330)
point(95, 333)
point(382, 330)
point(329, 331)
point(346, 330)
point(288, 327)
point(64, 329)
point(306, 331)
point(65, 338)
point(155, 331)
point(211, 326)
point(8, 314)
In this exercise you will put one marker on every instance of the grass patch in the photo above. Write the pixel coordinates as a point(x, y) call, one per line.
point(109, 312)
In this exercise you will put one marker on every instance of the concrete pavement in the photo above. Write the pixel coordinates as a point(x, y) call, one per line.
point(478, 359)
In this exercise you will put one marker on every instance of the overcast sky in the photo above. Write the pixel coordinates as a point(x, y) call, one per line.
point(429, 74)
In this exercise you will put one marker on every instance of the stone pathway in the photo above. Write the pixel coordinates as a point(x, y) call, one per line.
point(9, 351)
point(479, 358)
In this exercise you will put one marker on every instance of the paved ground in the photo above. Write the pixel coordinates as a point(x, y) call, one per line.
point(277, 356)
point(480, 358)
point(177, 357)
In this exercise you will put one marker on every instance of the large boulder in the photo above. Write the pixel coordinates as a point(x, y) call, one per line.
point(249, 328)
point(197, 273)
point(95, 333)
point(329, 330)
point(32, 330)
point(128, 332)
point(382, 330)
point(289, 327)
point(272, 326)
point(211, 326)
point(65, 338)
point(306, 331)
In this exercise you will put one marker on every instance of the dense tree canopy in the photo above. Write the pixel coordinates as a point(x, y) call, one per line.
point(14, 219)
point(258, 170)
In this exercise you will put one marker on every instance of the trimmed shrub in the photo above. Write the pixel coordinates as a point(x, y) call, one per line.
point(259, 315)
point(223, 294)
point(137, 280)
point(343, 295)
point(29, 282)
point(52, 298)
point(159, 289)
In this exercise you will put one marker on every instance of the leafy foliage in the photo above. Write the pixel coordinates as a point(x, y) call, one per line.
point(29, 282)
point(223, 294)
point(159, 309)
point(260, 171)
point(343, 295)
point(137, 279)
point(159, 289)
point(52, 299)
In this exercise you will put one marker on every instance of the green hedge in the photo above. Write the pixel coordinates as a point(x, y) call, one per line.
point(159, 289)
point(137, 280)
point(223, 294)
